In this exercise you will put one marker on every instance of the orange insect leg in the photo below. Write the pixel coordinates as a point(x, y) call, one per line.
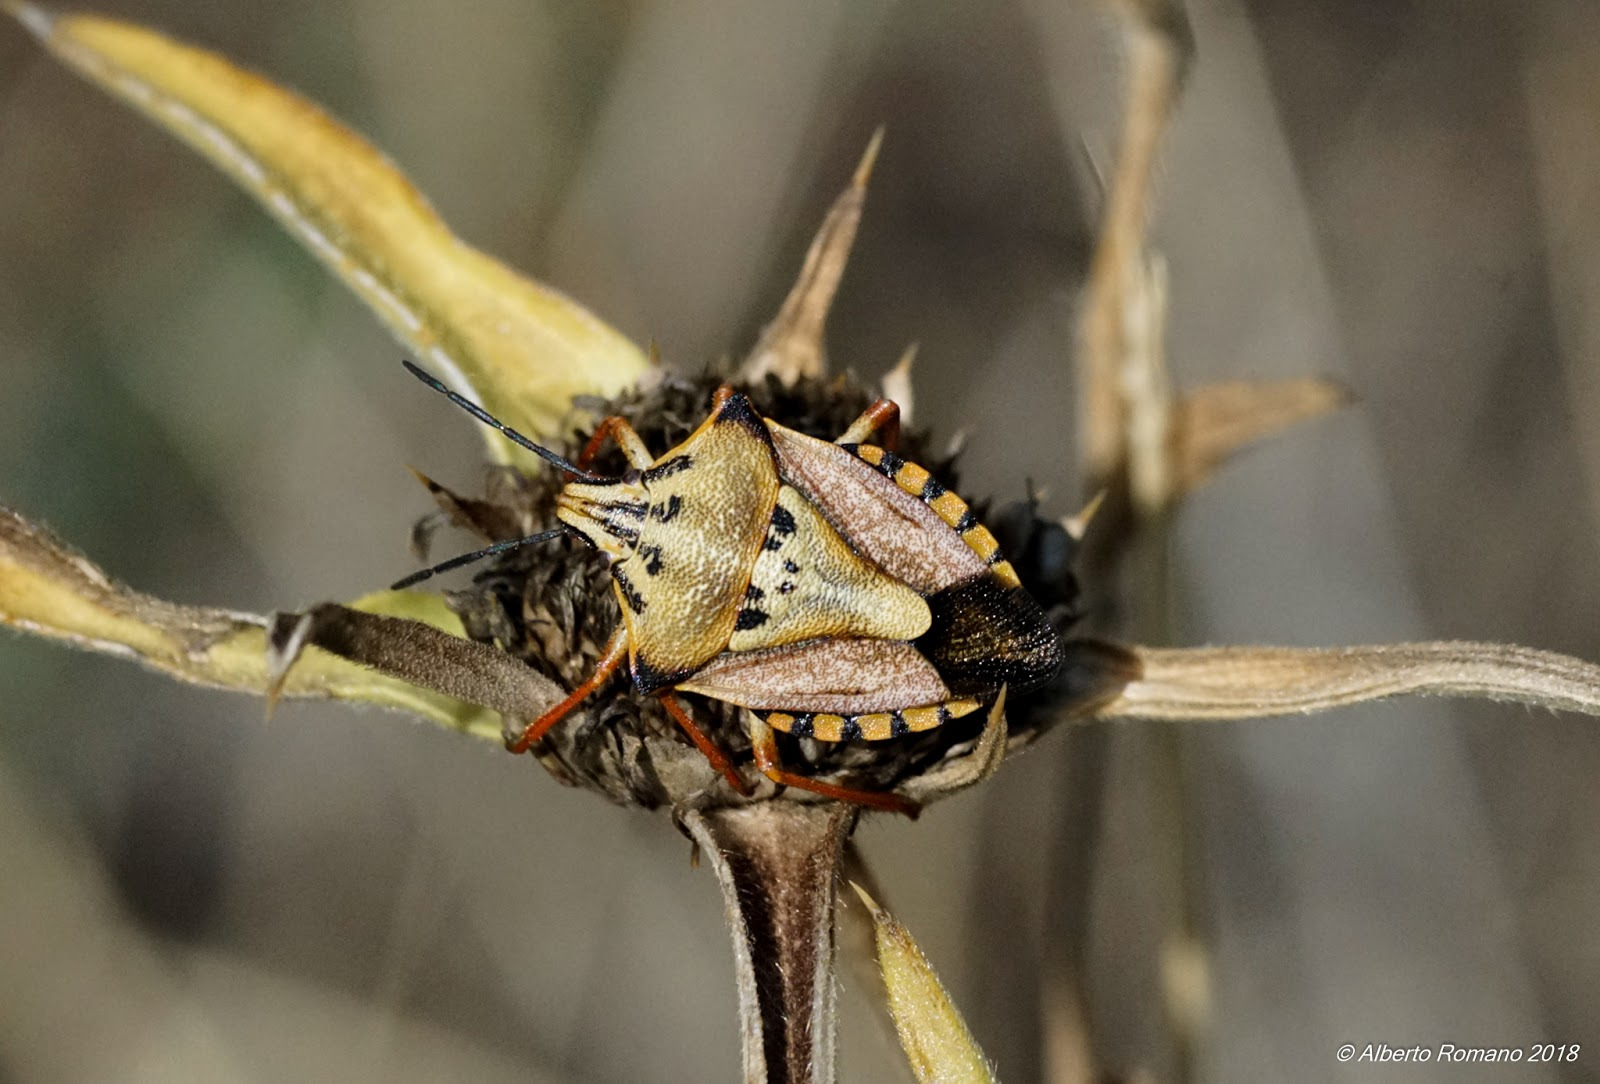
point(882, 417)
point(720, 396)
point(764, 744)
point(616, 651)
point(618, 427)
point(718, 759)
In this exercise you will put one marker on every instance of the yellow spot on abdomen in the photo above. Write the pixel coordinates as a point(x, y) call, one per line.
point(911, 478)
point(950, 507)
point(981, 541)
point(827, 727)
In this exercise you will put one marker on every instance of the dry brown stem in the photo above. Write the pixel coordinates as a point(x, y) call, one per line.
point(778, 863)
point(1120, 324)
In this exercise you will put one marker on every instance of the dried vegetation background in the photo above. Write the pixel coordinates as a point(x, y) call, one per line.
point(1399, 195)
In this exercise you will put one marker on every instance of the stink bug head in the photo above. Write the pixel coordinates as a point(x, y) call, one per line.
point(609, 516)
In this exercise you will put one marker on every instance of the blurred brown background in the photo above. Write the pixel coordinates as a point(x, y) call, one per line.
point(1402, 195)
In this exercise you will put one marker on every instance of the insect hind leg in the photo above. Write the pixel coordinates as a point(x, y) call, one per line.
point(717, 757)
point(881, 418)
point(764, 744)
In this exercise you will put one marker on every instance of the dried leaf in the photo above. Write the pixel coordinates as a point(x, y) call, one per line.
point(1254, 682)
point(1212, 423)
point(932, 1033)
point(960, 772)
point(791, 346)
point(778, 863)
point(46, 588)
point(524, 349)
point(415, 651)
point(489, 520)
point(897, 385)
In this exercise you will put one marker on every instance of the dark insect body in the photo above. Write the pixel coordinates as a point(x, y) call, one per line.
point(835, 590)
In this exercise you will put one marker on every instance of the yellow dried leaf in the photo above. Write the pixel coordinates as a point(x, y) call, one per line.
point(932, 1033)
point(47, 589)
point(523, 349)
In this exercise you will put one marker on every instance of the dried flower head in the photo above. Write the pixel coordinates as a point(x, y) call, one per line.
point(487, 658)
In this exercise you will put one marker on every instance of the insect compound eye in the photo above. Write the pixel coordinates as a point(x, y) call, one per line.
point(632, 478)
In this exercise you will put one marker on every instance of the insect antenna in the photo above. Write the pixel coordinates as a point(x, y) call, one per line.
point(476, 555)
point(490, 420)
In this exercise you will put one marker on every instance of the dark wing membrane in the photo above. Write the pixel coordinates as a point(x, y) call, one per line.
point(897, 531)
point(844, 676)
point(985, 635)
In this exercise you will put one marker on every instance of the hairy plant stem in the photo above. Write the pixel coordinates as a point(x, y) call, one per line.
point(1199, 683)
point(778, 864)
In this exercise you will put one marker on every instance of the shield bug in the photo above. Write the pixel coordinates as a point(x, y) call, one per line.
point(835, 590)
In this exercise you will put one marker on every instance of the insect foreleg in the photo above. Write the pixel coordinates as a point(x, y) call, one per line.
point(881, 417)
point(630, 442)
point(764, 744)
point(616, 652)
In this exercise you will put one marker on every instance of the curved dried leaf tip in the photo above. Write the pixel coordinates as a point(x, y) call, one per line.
point(47, 589)
point(932, 1033)
point(523, 349)
point(792, 347)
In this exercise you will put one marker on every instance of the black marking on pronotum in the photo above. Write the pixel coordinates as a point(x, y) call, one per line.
point(750, 619)
point(652, 559)
point(738, 410)
point(665, 513)
point(630, 593)
point(782, 520)
point(672, 466)
point(476, 555)
point(786, 586)
point(772, 542)
point(495, 423)
point(754, 593)
point(790, 567)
